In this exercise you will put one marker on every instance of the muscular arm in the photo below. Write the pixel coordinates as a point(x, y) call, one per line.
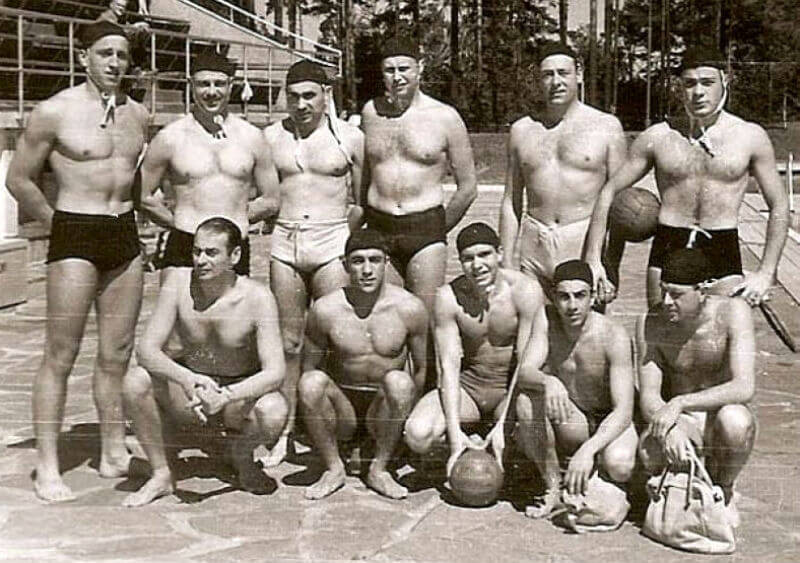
point(265, 176)
point(270, 351)
point(33, 149)
point(620, 376)
point(650, 374)
point(617, 147)
point(762, 167)
point(448, 353)
point(511, 206)
point(150, 353)
point(741, 361)
point(459, 151)
point(154, 167)
point(639, 161)
point(356, 197)
point(315, 346)
point(417, 322)
point(533, 345)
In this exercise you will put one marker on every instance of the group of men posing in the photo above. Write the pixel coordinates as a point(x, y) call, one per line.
point(332, 335)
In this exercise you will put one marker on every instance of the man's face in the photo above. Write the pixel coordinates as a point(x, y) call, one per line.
point(480, 263)
point(703, 88)
point(366, 268)
point(306, 101)
point(118, 7)
point(401, 75)
point(559, 79)
point(210, 254)
point(680, 302)
point(106, 61)
point(212, 90)
point(573, 301)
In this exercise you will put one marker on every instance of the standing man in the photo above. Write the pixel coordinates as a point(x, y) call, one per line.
point(358, 341)
point(319, 160)
point(412, 141)
point(558, 161)
point(483, 320)
point(212, 158)
point(580, 405)
point(702, 168)
point(697, 373)
point(231, 364)
point(91, 135)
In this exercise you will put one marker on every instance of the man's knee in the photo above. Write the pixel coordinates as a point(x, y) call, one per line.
point(311, 387)
point(61, 352)
point(734, 426)
point(619, 462)
point(271, 410)
point(419, 432)
point(524, 405)
point(116, 353)
point(399, 386)
point(137, 385)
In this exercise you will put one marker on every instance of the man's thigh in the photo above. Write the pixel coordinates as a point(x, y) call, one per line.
point(328, 278)
point(429, 412)
point(573, 432)
point(622, 448)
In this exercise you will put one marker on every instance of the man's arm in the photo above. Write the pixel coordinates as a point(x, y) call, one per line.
point(459, 151)
point(617, 147)
point(639, 161)
point(315, 345)
point(154, 166)
point(417, 322)
point(511, 206)
point(265, 176)
point(448, 353)
point(532, 344)
point(762, 167)
point(355, 198)
point(650, 374)
point(33, 149)
point(270, 350)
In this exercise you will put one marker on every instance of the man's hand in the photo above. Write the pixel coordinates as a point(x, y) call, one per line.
point(754, 288)
point(497, 439)
point(676, 446)
point(556, 400)
point(191, 388)
point(604, 290)
point(665, 419)
point(579, 470)
point(214, 400)
point(458, 448)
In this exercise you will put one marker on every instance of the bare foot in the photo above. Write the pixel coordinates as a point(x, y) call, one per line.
point(112, 468)
point(278, 453)
point(159, 485)
point(51, 488)
point(382, 482)
point(545, 505)
point(330, 482)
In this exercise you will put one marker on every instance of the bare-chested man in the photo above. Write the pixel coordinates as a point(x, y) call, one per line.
point(702, 169)
point(358, 340)
point(412, 141)
point(319, 160)
point(557, 162)
point(580, 405)
point(211, 158)
point(231, 365)
point(697, 372)
point(482, 321)
point(91, 135)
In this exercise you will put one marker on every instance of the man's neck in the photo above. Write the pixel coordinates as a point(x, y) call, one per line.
point(211, 290)
point(555, 113)
point(573, 333)
point(304, 130)
point(402, 103)
point(362, 302)
point(97, 92)
point(697, 124)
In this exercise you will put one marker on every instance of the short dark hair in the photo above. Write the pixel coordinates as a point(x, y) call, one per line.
point(223, 226)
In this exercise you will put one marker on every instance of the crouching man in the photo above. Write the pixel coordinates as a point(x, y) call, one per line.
point(697, 373)
point(230, 370)
point(579, 407)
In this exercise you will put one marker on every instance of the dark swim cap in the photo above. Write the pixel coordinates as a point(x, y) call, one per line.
point(702, 55)
point(476, 233)
point(365, 238)
point(400, 45)
point(215, 62)
point(557, 49)
point(573, 270)
point(306, 71)
point(88, 34)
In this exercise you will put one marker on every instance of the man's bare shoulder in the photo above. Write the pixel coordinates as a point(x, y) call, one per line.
point(175, 130)
point(368, 111)
point(730, 312)
point(523, 286)
point(442, 111)
point(244, 127)
point(255, 291)
point(351, 133)
point(523, 127)
point(407, 304)
point(329, 305)
point(609, 329)
point(142, 113)
point(273, 132)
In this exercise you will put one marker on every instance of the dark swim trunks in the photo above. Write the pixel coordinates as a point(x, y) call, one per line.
point(107, 241)
point(361, 397)
point(721, 249)
point(177, 252)
point(408, 234)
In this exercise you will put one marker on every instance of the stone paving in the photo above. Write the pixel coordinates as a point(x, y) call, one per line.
point(210, 520)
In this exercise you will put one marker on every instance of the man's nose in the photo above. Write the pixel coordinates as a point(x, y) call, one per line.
point(668, 300)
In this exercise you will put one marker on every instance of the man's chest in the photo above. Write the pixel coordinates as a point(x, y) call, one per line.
point(421, 139)
point(318, 154)
point(569, 147)
point(199, 155)
point(381, 333)
point(80, 136)
point(715, 158)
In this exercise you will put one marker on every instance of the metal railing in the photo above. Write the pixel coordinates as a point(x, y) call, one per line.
point(261, 65)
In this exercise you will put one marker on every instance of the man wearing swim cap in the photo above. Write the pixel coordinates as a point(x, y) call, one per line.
point(91, 135)
point(319, 160)
point(211, 159)
point(580, 404)
point(230, 372)
point(697, 372)
point(702, 166)
point(483, 321)
point(412, 142)
point(358, 340)
point(558, 159)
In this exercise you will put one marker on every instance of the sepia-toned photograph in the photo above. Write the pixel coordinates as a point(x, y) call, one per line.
point(456, 281)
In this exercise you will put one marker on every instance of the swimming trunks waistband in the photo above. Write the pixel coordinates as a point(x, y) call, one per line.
point(107, 241)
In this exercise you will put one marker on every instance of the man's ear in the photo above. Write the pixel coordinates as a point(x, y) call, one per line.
point(236, 255)
point(83, 57)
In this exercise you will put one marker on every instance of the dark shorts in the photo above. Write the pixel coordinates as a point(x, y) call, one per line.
point(408, 234)
point(722, 249)
point(107, 241)
point(177, 253)
point(361, 397)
